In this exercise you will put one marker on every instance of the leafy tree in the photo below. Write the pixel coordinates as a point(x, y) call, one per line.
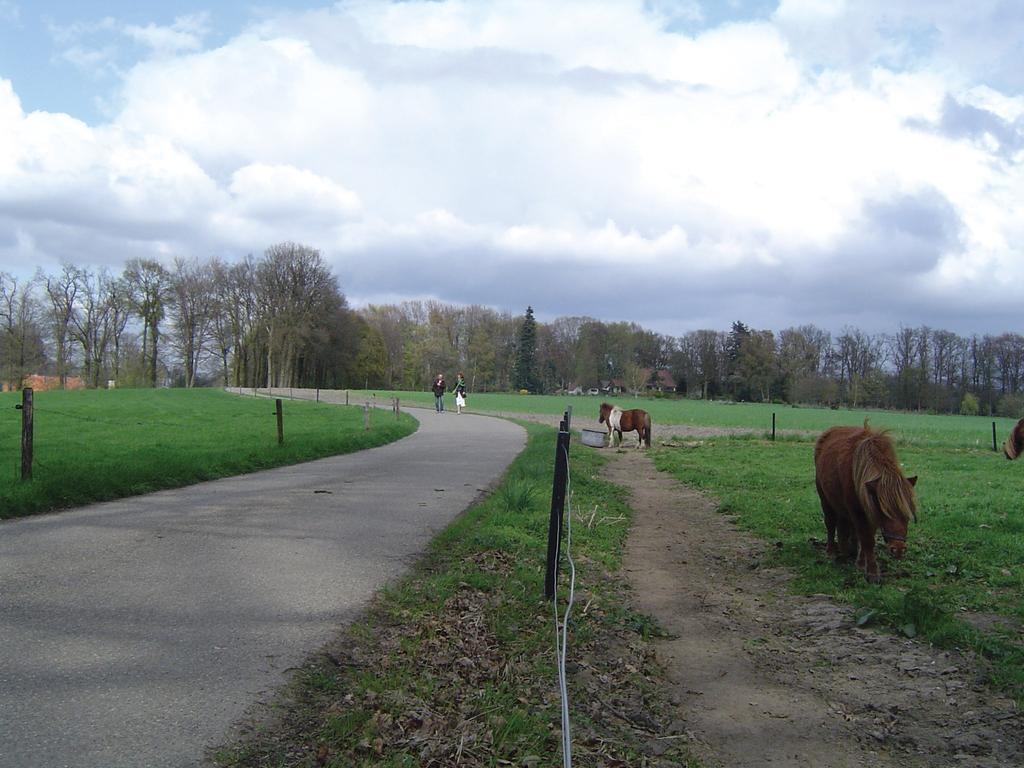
point(371, 361)
point(969, 405)
point(757, 364)
point(635, 377)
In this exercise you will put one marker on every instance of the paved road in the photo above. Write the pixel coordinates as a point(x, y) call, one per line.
point(134, 633)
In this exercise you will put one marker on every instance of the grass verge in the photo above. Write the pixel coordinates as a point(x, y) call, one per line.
point(102, 445)
point(961, 583)
point(455, 665)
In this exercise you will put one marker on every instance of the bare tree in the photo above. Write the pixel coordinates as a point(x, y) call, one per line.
point(21, 344)
point(62, 291)
point(705, 353)
point(90, 322)
point(296, 291)
point(149, 286)
point(119, 299)
point(858, 357)
point(193, 300)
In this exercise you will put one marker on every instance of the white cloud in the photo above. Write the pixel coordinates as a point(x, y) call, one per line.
point(186, 33)
point(804, 11)
point(590, 140)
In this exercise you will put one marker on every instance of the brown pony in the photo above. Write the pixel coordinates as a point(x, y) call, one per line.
point(619, 421)
point(1014, 444)
point(862, 489)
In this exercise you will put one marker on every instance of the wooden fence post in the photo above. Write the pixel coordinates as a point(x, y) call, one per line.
point(366, 417)
point(26, 433)
point(280, 422)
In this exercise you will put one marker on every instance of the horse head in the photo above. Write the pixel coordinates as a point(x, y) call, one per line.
point(897, 505)
point(606, 409)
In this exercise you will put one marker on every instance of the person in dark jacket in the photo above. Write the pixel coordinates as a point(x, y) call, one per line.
point(439, 387)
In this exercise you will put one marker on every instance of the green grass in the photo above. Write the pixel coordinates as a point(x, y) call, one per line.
point(907, 428)
point(965, 554)
point(100, 445)
point(461, 651)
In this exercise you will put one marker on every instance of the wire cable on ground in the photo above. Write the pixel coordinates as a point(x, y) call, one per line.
point(562, 633)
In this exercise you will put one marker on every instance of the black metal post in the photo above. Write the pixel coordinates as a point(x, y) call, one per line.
point(26, 433)
point(557, 509)
point(280, 421)
point(994, 437)
point(773, 426)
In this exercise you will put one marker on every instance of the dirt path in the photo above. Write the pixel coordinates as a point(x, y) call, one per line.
point(764, 677)
point(662, 432)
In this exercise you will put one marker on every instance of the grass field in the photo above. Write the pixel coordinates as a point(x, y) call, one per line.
point(907, 428)
point(961, 583)
point(101, 445)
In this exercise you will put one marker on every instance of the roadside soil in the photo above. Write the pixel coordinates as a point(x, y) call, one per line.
point(764, 677)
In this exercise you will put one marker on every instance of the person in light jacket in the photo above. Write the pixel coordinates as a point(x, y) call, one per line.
point(460, 392)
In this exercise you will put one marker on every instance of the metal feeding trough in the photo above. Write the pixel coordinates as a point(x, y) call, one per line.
point(593, 437)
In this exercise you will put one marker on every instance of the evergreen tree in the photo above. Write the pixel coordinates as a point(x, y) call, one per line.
point(524, 370)
point(737, 337)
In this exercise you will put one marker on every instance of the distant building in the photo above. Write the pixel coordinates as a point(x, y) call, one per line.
point(41, 383)
point(660, 381)
point(613, 386)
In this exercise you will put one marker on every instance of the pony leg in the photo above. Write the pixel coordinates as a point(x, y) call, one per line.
point(866, 558)
point(847, 538)
point(830, 524)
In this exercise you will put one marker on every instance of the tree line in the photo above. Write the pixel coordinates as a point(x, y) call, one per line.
point(282, 320)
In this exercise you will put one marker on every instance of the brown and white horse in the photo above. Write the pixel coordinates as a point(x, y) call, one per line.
point(619, 421)
point(862, 489)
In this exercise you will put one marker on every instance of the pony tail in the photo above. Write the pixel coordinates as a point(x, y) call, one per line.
point(647, 430)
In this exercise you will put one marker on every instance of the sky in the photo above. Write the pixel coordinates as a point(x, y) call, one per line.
point(680, 165)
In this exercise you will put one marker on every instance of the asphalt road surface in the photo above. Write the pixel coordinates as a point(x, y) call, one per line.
point(135, 633)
